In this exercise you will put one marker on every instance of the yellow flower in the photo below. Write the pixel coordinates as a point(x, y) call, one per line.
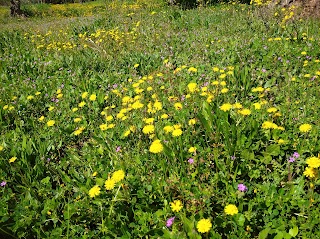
point(93, 97)
point(137, 105)
point(51, 108)
point(94, 191)
point(37, 93)
point(226, 107)
point(58, 91)
point(5, 107)
point(81, 104)
point(176, 205)
point(192, 87)
point(257, 106)
point(244, 112)
point(30, 97)
point(178, 106)
point(156, 147)
point(231, 209)
point(176, 132)
point(11, 160)
point(192, 69)
point(313, 162)
point(1, 147)
point(76, 120)
point(272, 110)
point(59, 95)
point(192, 122)
point(192, 149)
point(126, 134)
point(78, 131)
point(215, 69)
point(148, 120)
point(224, 90)
point(164, 116)
point(94, 174)
point(109, 184)
point(237, 106)
point(303, 53)
point(269, 125)
point(84, 95)
point(310, 172)
point(148, 129)
point(103, 127)
point(204, 225)
point(257, 89)
point(74, 109)
point(109, 118)
point(118, 175)
point(136, 65)
point(41, 118)
point(50, 123)
point(168, 128)
point(305, 128)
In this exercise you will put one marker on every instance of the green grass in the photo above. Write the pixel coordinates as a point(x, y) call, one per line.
point(136, 61)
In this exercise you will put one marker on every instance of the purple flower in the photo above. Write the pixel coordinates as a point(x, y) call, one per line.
point(296, 155)
point(3, 183)
point(233, 157)
point(190, 160)
point(242, 187)
point(170, 221)
point(291, 159)
point(118, 149)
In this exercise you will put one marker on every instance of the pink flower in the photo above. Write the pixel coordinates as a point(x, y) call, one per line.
point(170, 221)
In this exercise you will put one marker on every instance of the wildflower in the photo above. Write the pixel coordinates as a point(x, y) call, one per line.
point(109, 118)
point(170, 221)
point(178, 106)
point(192, 69)
point(51, 108)
point(94, 174)
point(78, 131)
point(30, 97)
point(81, 104)
point(94, 191)
point(192, 87)
point(156, 147)
point(3, 183)
point(76, 120)
point(93, 97)
point(310, 172)
point(50, 123)
point(226, 107)
point(242, 187)
point(11, 160)
point(168, 128)
point(135, 65)
point(244, 112)
point(296, 155)
point(137, 105)
point(118, 175)
point(84, 95)
point(237, 105)
point(126, 134)
point(272, 110)
point(176, 132)
point(192, 149)
point(41, 118)
point(192, 122)
point(103, 127)
point(190, 160)
point(1, 147)
point(148, 129)
point(5, 107)
point(269, 125)
point(164, 116)
point(59, 96)
point(313, 162)
point(231, 209)
point(74, 109)
point(204, 225)
point(118, 149)
point(224, 90)
point(109, 184)
point(37, 93)
point(176, 205)
point(305, 128)
point(258, 89)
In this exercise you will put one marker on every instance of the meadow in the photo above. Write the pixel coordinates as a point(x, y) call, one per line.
point(134, 119)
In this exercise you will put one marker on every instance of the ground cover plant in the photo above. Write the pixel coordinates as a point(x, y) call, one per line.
point(147, 121)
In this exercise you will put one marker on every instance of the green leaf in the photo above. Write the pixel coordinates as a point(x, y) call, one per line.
point(241, 220)
point(279, 236)
point(294, 231)
point(264, 233)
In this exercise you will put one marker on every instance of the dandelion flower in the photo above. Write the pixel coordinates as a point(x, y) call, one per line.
point(310, 172)
point(156, 147)
point(313, 162)
point(231, 209)
point(192, 149)
point(103, 127)
point(237, 105)
point(81, 104)
point(11, 160)
point(94, 191)
point(176, 132)
point(109, 184)
point(204, 225)
point(305, 128)
point(93, 97)
point(257, 106)
point(41, 118)
point(226, 107)
point(76, 120)
point(178, 106)
point(244, 112)
point(118, 175)
point(84, 95)
point(192, 122)
point(50, 123)
point(148, 129)
point(168, 128)
point(176, 205)
point(224, 90)
point(272, 110)
point(164, 116)
point(192, 87)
